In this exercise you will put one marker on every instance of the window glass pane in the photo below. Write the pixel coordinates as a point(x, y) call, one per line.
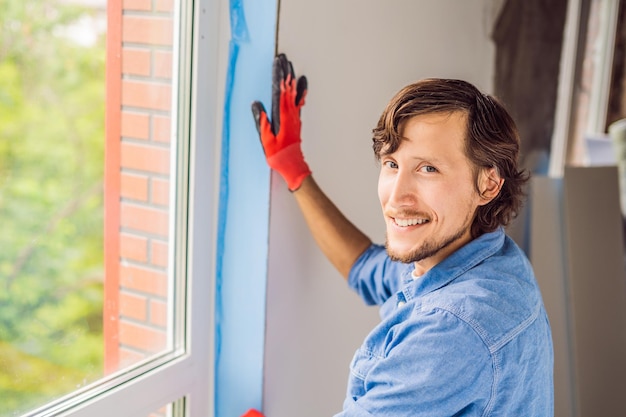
point(86, 147)
point(174, 409)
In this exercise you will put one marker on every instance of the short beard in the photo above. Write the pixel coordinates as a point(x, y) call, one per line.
point(427, 250)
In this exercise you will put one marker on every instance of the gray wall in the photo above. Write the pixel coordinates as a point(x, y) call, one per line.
point(356, 55)
point(579, 265)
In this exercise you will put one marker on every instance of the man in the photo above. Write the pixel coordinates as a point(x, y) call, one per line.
point(464, 331)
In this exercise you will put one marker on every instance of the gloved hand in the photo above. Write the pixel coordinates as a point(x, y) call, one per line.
point(280, 138)
point(253, 413)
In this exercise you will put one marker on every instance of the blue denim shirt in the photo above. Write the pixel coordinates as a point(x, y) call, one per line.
point(468, 338)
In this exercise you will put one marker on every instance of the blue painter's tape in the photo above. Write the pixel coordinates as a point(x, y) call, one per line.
point(238, 26)
point(243, 232)
point(223, 203)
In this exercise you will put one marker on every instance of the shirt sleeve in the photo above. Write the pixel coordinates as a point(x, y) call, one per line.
point(435, 366)
point(375, 277)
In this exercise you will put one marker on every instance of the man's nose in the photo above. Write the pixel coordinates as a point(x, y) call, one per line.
point(403, 191)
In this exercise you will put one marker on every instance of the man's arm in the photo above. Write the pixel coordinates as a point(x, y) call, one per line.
point(337, 237)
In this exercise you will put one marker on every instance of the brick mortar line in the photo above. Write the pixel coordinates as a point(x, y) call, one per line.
point(147, 13)
point(147, 46)
point(150, 174)
point(130, 200)
point(138, 233)
point(133, 349)
point(148, 266)
point(146, 110)
point(145, 353)
point(162, 208)
point(149, 296)
point(129, 139)
point(146, 142)
point(143, 265)
point(152, 239)
point(144, 324)
point(148, 79)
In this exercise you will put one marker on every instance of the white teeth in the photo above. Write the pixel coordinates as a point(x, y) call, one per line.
point(409, 222)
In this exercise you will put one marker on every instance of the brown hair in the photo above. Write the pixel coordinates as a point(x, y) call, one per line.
point(492, 139)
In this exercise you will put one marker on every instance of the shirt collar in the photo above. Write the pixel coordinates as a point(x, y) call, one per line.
point(460, 261)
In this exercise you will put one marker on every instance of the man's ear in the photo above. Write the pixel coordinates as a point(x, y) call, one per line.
point(490, 184)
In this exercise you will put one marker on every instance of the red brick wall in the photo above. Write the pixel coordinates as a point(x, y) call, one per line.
point(139, 94)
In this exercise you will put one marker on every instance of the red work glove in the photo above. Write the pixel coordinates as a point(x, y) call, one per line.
point(280, 138)
point(253, 413)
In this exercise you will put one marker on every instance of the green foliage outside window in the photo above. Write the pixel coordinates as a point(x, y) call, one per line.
point(51, 204)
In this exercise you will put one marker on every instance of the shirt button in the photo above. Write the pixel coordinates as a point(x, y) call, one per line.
point(401, 303)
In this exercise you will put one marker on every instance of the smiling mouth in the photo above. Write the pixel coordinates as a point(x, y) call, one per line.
point(409, 222)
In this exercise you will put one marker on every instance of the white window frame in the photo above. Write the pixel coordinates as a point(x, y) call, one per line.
point(599, 95)
point(187, 372)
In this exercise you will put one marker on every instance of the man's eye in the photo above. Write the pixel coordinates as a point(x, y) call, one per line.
point(428, 168)
point(390, 164)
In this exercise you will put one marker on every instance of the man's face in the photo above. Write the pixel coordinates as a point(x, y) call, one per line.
point(427, 190)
